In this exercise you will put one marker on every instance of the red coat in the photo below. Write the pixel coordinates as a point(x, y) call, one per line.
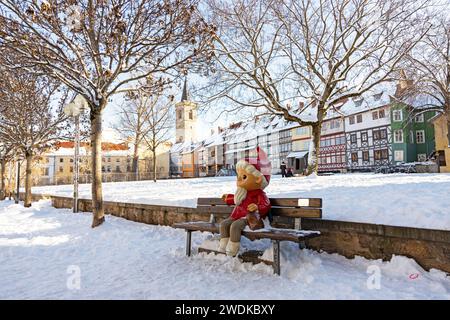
point(257, 197)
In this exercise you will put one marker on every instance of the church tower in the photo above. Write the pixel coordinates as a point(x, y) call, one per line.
point(186, 114)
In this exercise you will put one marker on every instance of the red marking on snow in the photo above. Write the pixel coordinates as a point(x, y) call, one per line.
point(413, 276)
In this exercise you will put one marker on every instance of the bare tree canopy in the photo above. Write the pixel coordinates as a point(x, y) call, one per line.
point(141, 115)
point(427, 67)
point(99, 48)
point(273, 55)
point(31, 117)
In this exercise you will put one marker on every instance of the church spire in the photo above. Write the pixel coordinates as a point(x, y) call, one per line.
point(185, 95)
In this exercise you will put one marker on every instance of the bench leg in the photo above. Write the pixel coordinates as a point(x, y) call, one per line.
point(302, 244)
point(188, 242)
point(276, 256)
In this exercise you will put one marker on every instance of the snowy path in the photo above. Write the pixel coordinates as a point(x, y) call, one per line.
point(414, 200)
point(124, 259)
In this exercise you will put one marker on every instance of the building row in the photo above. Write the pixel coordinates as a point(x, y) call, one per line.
point(360, 134)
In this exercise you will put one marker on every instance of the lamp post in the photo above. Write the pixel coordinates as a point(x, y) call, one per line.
point(74, 110)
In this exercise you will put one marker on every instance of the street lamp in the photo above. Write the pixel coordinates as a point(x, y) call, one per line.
point(74, 109)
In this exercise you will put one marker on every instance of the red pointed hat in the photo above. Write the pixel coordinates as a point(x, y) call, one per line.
point(261, 163)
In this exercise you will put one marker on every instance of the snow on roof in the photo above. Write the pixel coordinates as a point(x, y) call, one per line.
point(422, 101)
point(252, 128)
point(297, 154)
point(369, 101)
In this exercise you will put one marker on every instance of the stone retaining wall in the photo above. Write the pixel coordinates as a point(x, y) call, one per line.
point(430, 248)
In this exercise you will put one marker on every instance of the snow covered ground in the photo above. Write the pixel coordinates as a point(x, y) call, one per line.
point(44, 251)
point(415, 200)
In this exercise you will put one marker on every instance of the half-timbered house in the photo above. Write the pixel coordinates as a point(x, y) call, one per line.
point(368, 132)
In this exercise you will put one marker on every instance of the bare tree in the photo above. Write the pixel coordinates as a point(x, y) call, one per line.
point(159, 123)
point(6, 155)
point(133, 123)
point(28, 121)
point(428, 69)
point(300, 58)
point(99, 48)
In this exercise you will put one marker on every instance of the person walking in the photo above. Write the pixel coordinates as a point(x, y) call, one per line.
point(283, 169)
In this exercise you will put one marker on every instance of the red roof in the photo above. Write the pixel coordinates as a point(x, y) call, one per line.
point(106, 146)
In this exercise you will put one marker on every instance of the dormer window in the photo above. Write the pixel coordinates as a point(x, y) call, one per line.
point(377, 96)
point(358, 103)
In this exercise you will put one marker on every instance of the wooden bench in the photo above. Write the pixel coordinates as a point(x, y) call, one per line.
point(291, 208)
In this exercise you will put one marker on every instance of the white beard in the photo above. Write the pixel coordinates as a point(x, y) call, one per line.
point(239, 195)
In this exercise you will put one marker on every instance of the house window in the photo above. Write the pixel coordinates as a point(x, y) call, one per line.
point(61, 160)
point(302, 131)
point(117, 160)
point(191, 115)
point(359, 118)
point(355, 157)
point(117, 168)
point(351, 119)
point(364, 136)
point(421, 157)
point(383, 134)
point(353, 138)
point(103, 168)
point(71, 169)
point(411, 136)
point(109, 159)
point(71, 160)
point(180, 114)
point(398, 136)
point(419, 118)
point(381, 154)
point(381, 114)
point(420, 136)
point(397, 115)
point(398, 155)
point(109, 168)
point(61, 169)
point(365, 155)
point(375, 115)
point(377, 154)
point(376, 134)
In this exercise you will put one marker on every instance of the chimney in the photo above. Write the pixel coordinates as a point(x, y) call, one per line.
point(403, 80)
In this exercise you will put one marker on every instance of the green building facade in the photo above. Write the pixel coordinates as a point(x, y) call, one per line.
point(412, 133)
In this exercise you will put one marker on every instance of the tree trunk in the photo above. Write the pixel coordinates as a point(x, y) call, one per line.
point(154, 165)
point(2, 180)
point(29, 160)
point(313, 156)
point(135, 160)
point(96, 144)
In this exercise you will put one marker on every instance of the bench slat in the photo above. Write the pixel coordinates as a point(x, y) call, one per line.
point(297, 212)
point(300, 202)
point(274, 234)
point(276, 211)
point(281, 202)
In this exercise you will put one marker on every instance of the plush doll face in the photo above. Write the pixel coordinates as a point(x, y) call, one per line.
point(248, 181)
